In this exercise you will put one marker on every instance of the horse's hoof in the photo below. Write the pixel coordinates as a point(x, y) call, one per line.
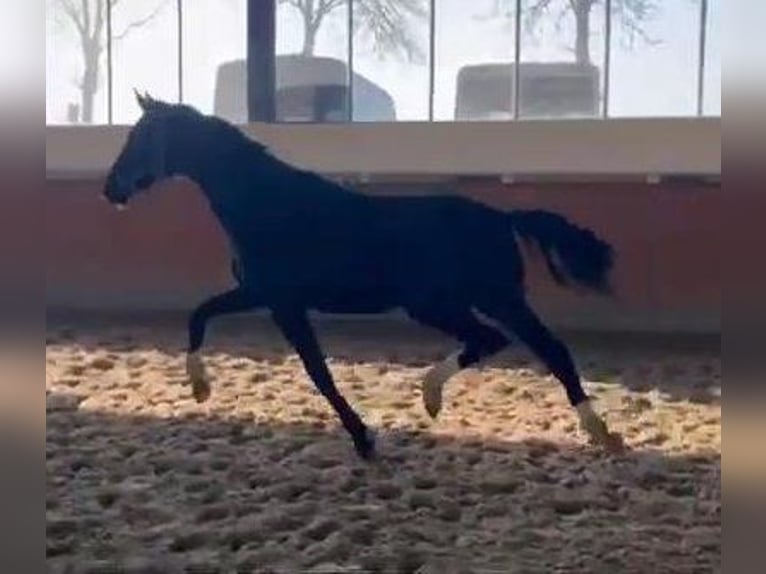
point(200, 390)
point(595, 427)
point(434, 381)
point(365, 446)
point(432, 397)
point(614, 443)
point(195, 370)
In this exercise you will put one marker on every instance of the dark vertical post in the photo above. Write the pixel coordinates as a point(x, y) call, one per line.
point(261, 60)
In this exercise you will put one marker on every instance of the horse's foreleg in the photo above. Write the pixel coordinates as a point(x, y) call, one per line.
point(232, 301)
point(298, 331)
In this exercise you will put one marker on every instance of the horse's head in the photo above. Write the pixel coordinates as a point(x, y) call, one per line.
point(144, 159)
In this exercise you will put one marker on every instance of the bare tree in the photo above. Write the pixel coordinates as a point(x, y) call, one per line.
point(388, 22)
point(88, 18)
point(631, 15)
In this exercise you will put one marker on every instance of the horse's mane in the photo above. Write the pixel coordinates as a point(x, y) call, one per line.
point(266, 159)
point(233, 141)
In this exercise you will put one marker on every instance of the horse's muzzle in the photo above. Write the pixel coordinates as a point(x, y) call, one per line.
point(115, 194)
point(119, 203)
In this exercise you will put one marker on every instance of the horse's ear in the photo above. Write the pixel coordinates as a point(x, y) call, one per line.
point(146, 102)
point(143, 101)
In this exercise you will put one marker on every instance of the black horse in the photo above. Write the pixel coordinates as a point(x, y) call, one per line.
point(301, 242)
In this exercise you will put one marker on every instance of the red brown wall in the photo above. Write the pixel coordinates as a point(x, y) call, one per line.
point(167, 252)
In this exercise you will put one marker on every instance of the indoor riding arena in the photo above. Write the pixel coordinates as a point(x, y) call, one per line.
point(606, 116)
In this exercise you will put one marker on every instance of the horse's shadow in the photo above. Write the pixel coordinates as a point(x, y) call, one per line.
point(233, 494)
point(682, 368)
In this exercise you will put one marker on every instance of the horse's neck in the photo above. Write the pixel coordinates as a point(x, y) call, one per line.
point(235, 196)
point(244, 184)
point(217, 172)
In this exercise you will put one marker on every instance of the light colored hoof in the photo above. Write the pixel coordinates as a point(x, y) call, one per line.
point(434, 381)
point(195, 370)
point(598, 433)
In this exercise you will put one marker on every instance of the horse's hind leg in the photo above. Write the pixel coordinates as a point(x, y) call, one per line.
point(517, 316)
point(297, 330)
point(480, 342)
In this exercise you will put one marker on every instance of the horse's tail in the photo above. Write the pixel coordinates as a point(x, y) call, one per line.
point(571, 252)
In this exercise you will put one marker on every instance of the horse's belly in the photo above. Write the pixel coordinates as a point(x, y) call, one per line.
point(352, 301)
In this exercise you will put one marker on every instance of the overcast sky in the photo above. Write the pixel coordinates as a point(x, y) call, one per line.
point(649, 80)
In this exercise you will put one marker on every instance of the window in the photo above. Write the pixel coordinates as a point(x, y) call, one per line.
point(145, 54)
point(391, 60)
point(561, 71)
point(214, 51)
point(654, 58)
point(76, 62)
point(474, 57)
point(312, 61)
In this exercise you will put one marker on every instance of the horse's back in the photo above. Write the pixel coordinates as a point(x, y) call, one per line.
point(447, 240)
point(345, 252)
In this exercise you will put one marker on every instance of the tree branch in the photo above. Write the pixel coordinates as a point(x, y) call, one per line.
point(534, 14)
point(74, 15)
point(140, 22)
point(634, 31)
point(631, 14)
point(389, 23)
point(327, 6)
